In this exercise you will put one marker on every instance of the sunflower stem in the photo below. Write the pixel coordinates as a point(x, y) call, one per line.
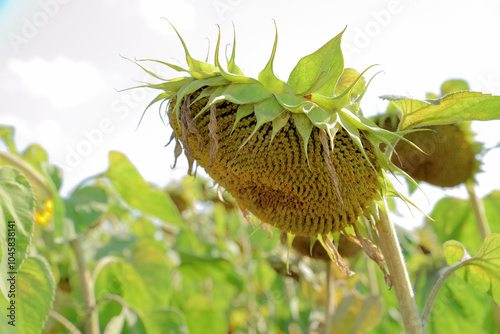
point(91, 316)
point(63, 321)
point(479, 213)
point(399, 275)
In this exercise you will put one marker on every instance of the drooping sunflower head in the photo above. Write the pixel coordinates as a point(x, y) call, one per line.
point(299, 154)
point(448, 152)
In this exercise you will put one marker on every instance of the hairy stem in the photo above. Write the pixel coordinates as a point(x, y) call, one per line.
point(91, 318)
point(399, 275)
point(63, 321)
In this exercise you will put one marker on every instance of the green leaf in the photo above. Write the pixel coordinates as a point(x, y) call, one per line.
point(168, 321)
point(319, 71)
point(122, 279)
point(460, 106)
point(483, 270)
point(36, 156)
point(459, 308)
point(206, 321)
point(17, 204)
point(357, 314)
point(42, 183)
point(85, 206)
point(126, 321)
point(137, 193)
point(151, 264)
point(115, 325)
point(7, 136)
point(454, 220)
point(454, 85)
point(35, 291)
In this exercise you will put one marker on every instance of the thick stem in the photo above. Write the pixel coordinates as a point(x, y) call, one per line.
point(479, 213)
point(91, 318)
point(330, 300)
point(399, 275)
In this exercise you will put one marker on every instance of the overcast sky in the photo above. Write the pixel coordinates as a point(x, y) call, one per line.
point(60, 65)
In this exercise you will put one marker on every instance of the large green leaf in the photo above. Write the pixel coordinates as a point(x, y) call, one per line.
point(481, 271)
point(17, 204)
point(454, 220)
point(167, 321)
point(85, 206)
point(45, 180)
point(207, 311)
point(459, 106)
point(454, 85)
point(150, 262)
point(37, 157)
point(137, 193)
point(319, 71)
point(35, 291)
point(459, 308)
point(205, 319)
point(123, 280)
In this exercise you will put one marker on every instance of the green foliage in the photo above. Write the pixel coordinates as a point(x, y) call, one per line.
point(459, 308)
point(178, 260)
point(85, 206)
point(481, 271)
point(138, 193)
point(454, 219)
point(34, 297)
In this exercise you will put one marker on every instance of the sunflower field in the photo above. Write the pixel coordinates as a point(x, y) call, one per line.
point(291, 232)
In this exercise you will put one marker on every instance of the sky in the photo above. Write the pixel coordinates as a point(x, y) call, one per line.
point(61, 67)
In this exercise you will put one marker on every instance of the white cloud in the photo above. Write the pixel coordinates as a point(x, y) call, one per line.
point(180, 13)
point(62, 81)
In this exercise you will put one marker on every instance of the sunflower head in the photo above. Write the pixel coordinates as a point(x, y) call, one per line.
point(447, 155)
point(299, 154)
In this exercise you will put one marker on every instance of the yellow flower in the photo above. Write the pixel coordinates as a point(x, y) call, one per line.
point(44, 217)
